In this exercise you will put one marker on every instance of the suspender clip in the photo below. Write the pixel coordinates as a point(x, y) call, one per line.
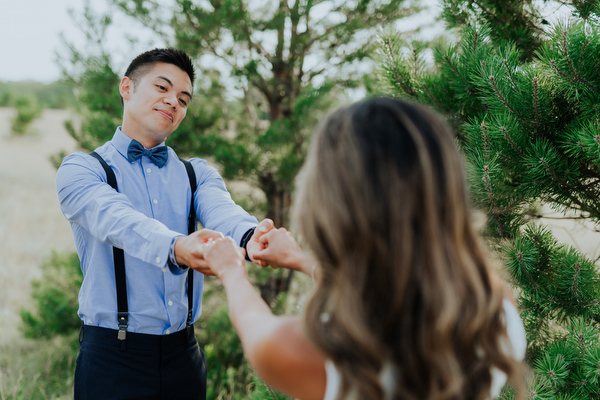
point(122, 333)
point(122, 321)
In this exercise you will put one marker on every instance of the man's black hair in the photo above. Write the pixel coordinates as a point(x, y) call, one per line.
point(169, 55)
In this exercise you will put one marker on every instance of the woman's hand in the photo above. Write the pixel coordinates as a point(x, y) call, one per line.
point(254, 245)
point(189, 250)
point(279, 249)
point(223, 256)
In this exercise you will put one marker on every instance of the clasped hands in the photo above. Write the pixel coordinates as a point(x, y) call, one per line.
point(210, 253)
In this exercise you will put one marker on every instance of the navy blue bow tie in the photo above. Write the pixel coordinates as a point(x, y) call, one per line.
point(157, 155)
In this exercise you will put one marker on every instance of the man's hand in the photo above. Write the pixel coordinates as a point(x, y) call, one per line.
point(189, 250)
point(254, 245)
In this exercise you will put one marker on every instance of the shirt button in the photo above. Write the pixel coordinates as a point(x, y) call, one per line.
point(148, 170)
point(170, 303)
point(157, 260)
point(164, 269)
point(167, 331)
point(155, 201)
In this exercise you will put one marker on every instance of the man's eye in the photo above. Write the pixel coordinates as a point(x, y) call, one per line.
point(183, 102)
point(161, 87)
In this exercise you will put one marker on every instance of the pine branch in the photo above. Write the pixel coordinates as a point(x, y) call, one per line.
point(538, 215)
point(513, 204)
point(576, 77)
point(475, 38)
point(575, 277)
point(592, 183)
point(511, 76)
point(492, 16)
point(492, 81)
point(575, 193)
point(575, 203)
point(511, 142)
point(536, 105)
point(433, 99)
point(391, 54)
point(534, 285)
point(486, 140)
point(582, 51)
point(565, 48)
point(415, 62)
point(497, 212)
point(453, 67)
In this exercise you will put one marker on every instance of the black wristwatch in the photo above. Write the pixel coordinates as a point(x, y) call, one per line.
point(245, 240)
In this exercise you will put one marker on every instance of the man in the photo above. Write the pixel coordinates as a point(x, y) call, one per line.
point(137, 341)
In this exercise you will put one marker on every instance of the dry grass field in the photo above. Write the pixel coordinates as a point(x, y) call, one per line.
point(31, 224)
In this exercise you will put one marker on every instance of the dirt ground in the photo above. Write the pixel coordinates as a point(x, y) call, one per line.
point(31, 224)
point(581, 234)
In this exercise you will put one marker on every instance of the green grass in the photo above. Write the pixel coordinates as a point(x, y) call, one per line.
point(38, 369)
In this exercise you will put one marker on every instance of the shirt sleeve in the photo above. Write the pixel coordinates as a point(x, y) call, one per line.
point(89, 201)
point(214, 207)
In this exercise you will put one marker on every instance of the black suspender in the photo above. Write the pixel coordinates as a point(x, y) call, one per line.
point(119, 260)
point(119, 256)
point(191, 228)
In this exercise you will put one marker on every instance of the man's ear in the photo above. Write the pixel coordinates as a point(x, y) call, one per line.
point(126, 87)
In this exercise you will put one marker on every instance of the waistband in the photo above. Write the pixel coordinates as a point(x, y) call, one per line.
point(140, 341)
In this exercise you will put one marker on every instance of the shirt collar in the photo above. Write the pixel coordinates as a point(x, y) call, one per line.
point(121, 142)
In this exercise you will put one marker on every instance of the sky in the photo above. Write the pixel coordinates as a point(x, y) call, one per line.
point(30, 32)
point(30, 36)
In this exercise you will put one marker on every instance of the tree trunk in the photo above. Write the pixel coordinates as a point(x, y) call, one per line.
point(278, 205)
point(278, 200)
point(278, 282)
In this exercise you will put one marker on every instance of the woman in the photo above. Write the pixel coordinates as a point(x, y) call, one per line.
point(405, 304)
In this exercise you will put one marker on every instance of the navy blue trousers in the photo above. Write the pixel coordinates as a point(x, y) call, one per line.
point(144, 367)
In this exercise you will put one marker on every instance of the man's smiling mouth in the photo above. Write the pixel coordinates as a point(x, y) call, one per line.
point(166, 114)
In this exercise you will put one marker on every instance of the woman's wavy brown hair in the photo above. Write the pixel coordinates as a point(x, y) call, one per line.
point(382, 202)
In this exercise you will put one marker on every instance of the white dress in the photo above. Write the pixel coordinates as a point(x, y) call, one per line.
point(514, 345)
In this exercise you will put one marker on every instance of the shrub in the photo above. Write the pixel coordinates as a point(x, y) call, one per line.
point(27, 111)
point(55, 298)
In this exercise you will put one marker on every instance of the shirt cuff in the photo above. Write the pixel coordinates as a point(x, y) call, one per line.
point(172, 261)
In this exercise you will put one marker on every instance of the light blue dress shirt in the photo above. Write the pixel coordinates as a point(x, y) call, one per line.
point(150, 210)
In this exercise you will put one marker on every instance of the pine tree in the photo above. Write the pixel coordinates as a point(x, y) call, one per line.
point(272, 50)
point(526, 117)
point(291, 61)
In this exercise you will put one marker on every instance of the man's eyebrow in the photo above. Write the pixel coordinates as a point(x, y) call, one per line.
point(166, 79)
point(171, 84)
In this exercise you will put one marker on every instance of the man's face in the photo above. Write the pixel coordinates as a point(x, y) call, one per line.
point(156, 104)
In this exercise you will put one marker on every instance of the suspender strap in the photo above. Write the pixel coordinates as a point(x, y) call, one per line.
point(119, 256)
point(191, 228)
point(119, 261)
